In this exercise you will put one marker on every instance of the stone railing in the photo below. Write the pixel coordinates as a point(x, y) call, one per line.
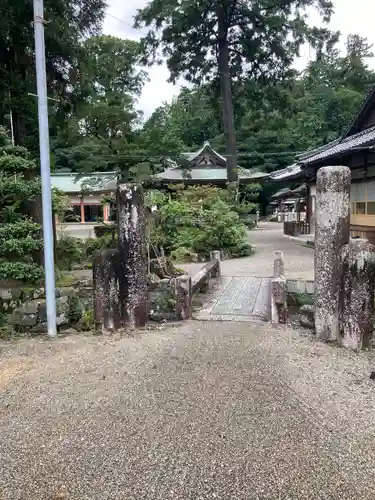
point(208, 271)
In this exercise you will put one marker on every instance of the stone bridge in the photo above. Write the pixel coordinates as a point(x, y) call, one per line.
point(244, 290)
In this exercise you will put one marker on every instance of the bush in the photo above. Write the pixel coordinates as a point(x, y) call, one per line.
point(69, 251)
point(20, 236)
point(92, 244)
point(200, 220)
point(104, 230)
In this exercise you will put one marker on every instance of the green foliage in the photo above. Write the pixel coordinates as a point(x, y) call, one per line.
point(22, 271)
point(273, 122)
point(198, 220)
point(105, 229)
point(92, 244)
point(86, 321)
point(69, 251)
point(98, 133)
point(94, 82)
point(227, 41)
point(262, 37)
point(68, 22)
point(20, 236)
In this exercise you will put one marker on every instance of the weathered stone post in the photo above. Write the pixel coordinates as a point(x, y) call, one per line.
point(279, 291)
point(183, 294)
point(133, 252)
point(216, 255)
point(107, 274)
point(278, 264)
point(357, 306)
point(331, 234)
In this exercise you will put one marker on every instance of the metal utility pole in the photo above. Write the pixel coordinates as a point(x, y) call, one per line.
point(49, 265)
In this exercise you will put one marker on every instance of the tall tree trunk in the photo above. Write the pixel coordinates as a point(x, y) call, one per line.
point(226, 98)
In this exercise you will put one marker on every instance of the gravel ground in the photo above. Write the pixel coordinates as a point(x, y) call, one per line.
point(299, 260)
point(200, 411)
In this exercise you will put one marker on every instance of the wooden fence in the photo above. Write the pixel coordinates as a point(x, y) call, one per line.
point(294, 228)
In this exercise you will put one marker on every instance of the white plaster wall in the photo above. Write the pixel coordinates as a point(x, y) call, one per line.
point(94, 199)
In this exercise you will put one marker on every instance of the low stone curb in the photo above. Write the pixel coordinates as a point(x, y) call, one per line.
point(300, 241)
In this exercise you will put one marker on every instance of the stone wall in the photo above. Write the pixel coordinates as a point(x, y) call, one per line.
point(24, 309)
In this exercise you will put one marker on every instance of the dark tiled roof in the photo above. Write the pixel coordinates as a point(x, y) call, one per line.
point(315, 151)
point(362, 139)
point(286, 173)
point(290, 193)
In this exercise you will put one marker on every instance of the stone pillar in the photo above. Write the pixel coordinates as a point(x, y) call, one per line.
point(183, 294)
point(133, 251)
point(357, 306)
point(331, 234)
point(279, 291)
point(278, 264)
point(215, 255)
point(107, 274)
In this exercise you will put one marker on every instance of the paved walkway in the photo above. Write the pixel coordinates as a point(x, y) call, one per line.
point(204, 411)
point(299, 260)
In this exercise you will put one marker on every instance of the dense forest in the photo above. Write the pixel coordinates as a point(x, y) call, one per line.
point(242, 93)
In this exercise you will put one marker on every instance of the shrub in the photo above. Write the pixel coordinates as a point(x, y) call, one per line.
point(199, 219)
point(105, 229)
point(20, 237)
point(69, 251)
point(92, 244)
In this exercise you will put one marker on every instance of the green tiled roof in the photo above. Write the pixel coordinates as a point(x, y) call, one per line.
point(212, 169)
point(95, 182)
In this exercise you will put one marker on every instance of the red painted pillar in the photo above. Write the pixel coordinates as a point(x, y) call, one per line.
point(82, 211)
point(105, 213)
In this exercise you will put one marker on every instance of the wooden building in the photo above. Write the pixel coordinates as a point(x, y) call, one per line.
point(355, 149)
point(205, 166)
point(85, 194)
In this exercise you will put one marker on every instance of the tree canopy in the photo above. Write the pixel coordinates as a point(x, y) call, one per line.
point(94, 82)
point(227, 41)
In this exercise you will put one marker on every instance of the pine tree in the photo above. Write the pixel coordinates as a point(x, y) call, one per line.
point(20, 236)
point(228, 40)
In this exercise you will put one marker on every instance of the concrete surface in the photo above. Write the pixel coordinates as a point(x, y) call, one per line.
point(241, 298)
point(299, 260)
point(76, 230)
point(207, 410)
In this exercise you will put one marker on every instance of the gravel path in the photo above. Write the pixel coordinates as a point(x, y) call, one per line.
point(299, 260)
point(203, 411)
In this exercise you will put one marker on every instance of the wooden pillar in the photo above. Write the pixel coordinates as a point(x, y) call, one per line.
point(308, 208)
point(132, 245)
point(82, 211)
